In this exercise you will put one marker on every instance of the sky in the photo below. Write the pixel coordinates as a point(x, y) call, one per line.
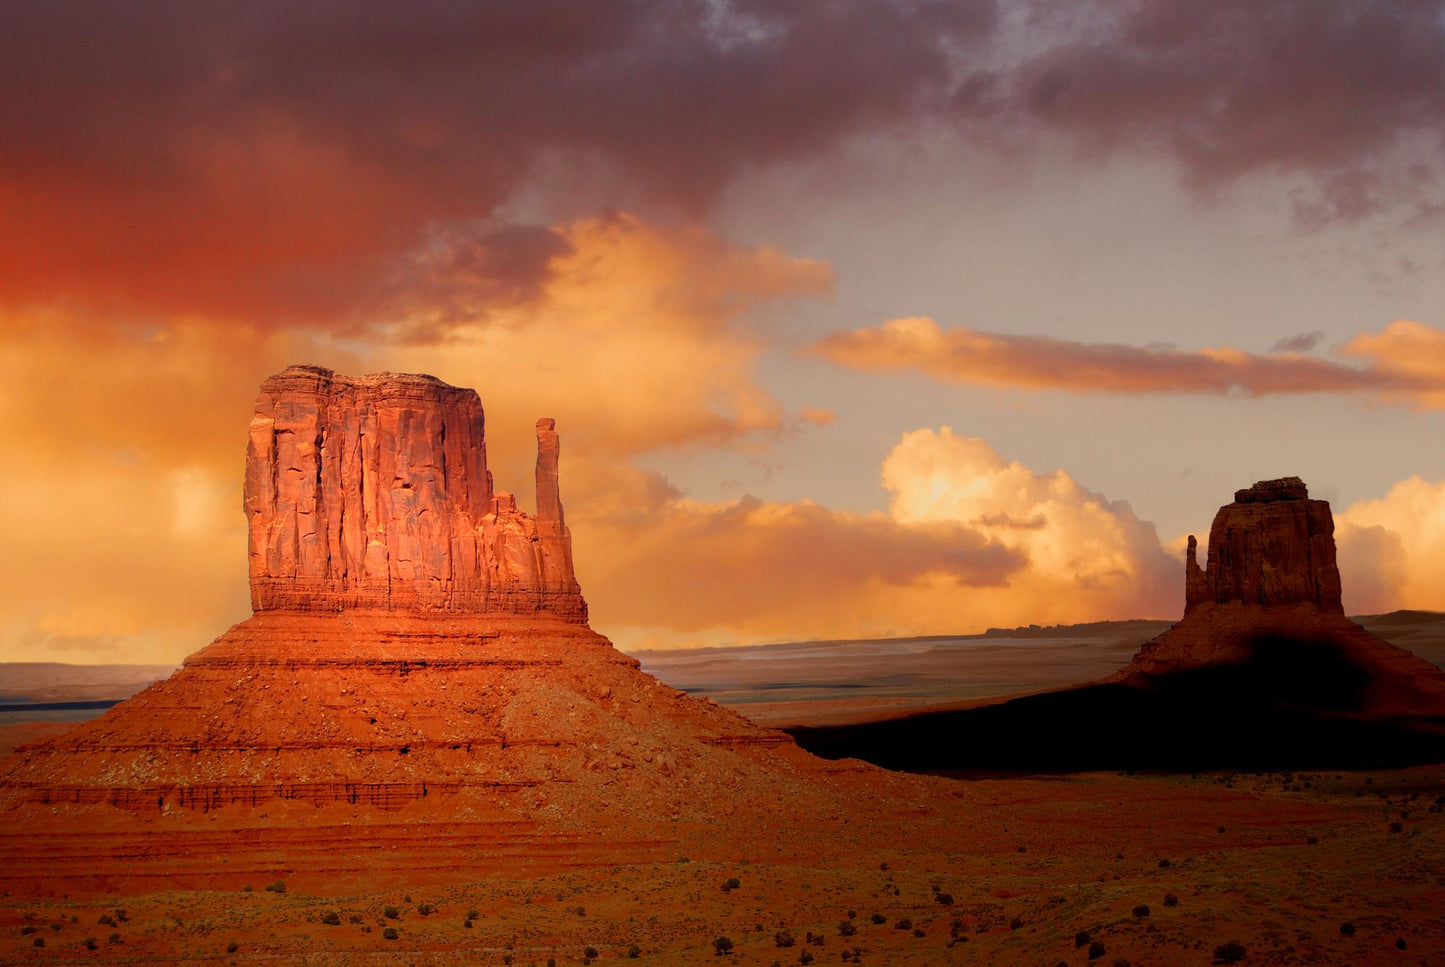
point(857, 318)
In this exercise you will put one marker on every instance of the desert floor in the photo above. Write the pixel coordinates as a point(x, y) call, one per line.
point(1304, 868)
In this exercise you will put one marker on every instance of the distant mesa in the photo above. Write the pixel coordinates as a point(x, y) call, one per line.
point(1272, 546)
point(1264, 669)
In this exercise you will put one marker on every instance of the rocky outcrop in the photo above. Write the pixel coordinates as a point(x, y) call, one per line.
point(374, 492)
point(419, 651)
point(1272, 546)
point(1271, 588)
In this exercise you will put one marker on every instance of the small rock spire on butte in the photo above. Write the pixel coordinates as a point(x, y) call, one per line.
point(374, 492)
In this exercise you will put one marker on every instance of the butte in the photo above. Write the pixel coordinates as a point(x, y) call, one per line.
point(417, 694)
point(1263, 671)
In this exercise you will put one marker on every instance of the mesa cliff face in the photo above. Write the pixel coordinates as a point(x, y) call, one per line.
point(374, 492)
point(1272, 546)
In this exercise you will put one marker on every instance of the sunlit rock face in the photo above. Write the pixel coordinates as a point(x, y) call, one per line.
point(374, 492)
point(1271, 546)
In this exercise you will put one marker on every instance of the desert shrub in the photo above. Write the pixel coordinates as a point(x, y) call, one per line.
point(722, 946)
point(634, 951)
point(278, 887)
point(1096, 950)
point(246, 888)
point(1081, 939)
point(1170, 900)
point(1347, 929)
point(805, 958)
point(507, 958)
point(1016, 923)
point(426, 909)
point(1396, 827)
point(1141, 911)
point(121, 915)
point(467, 924)
point(355, 918)
point(878, 918)
point(945, 899)
point(1230, 953)
point(846, 928)
point(27, 930)
point(589, 953)
point(106, 919)
point(114, 938)
point(1400, 943)
point(40, 941)
point(1120, 962)
point(903, 923)
point(232, 947)
point(1165, 864)
point(473, 914)
point(406, 899)
point(91, 943)
point(390, 933)
point(852, 913)
point(918, 932)
point(331, 919)
point(391, 913)
point(783, 939)
point(884, 864)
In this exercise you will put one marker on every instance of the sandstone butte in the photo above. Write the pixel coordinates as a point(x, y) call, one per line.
point(417, 693)
point(1271, 582)
point(1262, 671)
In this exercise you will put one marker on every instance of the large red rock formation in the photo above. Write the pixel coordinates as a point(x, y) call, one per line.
point(375, 493)
point(418, 658)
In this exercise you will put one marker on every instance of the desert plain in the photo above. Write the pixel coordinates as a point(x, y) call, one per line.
point(417, 750)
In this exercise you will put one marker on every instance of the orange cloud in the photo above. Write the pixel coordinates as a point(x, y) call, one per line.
point(632, 343)
point(1391, 549)
point(970, 541)
point(124, 437)
point(1405, 362)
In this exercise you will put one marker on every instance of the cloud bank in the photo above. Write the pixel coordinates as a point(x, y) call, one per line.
point(1405, 362)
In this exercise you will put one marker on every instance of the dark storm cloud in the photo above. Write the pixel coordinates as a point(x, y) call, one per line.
point(1229, 88)
point(275, 157)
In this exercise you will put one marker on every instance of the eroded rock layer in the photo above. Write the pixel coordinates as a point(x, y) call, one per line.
point(374, 492)
point(1272, 546)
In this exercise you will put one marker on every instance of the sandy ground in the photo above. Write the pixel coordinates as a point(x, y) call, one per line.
point(1337, 868)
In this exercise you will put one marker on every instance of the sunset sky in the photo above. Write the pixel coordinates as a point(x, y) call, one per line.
point(857, 318)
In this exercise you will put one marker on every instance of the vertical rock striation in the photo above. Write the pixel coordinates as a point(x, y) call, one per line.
point(374, 492)
point(1272, 546)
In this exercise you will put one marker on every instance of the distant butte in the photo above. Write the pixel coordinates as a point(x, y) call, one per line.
point(1264, 670)
point(1270, 597)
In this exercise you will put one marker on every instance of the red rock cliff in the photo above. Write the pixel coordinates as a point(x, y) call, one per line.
point(374, 492)
point(1272, 546)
